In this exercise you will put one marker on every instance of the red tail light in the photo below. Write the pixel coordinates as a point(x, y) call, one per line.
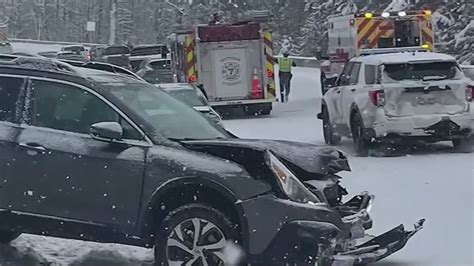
point(469, 93)
point(377, 97)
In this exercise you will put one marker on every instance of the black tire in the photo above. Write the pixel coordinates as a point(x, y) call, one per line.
point(185, 217)
point(7, 236)
point(360, 144)
point(463, 145)
point(328, 130)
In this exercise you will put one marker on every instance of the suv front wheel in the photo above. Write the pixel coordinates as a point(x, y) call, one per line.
point(330, 137)
point(360, 143)
point(7, 236)
point(194, 234)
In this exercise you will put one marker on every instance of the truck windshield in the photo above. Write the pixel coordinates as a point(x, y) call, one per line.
point(168, 116)
point(421, 71)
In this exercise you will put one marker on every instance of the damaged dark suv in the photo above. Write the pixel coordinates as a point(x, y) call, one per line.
point(96, 156)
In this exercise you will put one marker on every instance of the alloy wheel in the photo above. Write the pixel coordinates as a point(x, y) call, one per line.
point(196, 242)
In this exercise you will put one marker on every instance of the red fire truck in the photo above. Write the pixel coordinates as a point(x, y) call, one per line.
point(356, 34)
point(232, 63)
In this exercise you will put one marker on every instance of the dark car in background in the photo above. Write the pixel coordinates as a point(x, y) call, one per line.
point(156, 71)
point(151, 51)
point(98, 156)
point(118, 55)
point(193, 97)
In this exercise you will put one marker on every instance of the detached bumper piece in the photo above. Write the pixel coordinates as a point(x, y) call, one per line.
point(376, 248)
point(444, 129)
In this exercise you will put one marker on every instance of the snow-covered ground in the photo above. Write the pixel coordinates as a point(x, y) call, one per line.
point(434, 183)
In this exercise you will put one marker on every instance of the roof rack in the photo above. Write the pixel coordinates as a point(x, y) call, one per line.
point(364, 52)
point(103, 67)
point(38, 63)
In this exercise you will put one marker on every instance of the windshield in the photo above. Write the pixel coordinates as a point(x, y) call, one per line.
point(189, 97)
point(421, 71)
point(469, 72)
point(168, 116)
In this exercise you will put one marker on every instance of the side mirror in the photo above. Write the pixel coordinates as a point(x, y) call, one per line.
point(107, 131)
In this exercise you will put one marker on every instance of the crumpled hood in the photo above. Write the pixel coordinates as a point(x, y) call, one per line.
point(309, 157)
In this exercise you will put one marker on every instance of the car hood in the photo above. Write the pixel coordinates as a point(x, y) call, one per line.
point(311, 158)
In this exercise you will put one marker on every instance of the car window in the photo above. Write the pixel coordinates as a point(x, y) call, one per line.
point(9, 98)
point(345, 75)
point(370, 74)
point(355, 71)
point(419, 71)
point(65, 107)
point(166, 115)
point(189, 97)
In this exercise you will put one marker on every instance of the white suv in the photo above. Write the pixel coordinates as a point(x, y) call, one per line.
point(399, 97)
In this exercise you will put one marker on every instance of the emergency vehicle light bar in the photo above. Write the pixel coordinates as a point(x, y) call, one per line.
point(392, 50)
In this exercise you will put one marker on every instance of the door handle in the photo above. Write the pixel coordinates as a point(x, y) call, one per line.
point(33, 146)
point(339, 91)
point(353, 90)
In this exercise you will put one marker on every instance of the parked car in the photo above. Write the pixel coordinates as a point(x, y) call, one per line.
point(156, 71)
point(98, 156)
point(76, 49)
point(6, 48)
point(398, 97)
point(152, 51)
point(96, 52)
point(118, 55)
point(193, 97)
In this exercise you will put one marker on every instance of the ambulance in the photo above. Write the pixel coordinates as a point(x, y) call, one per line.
point(232, 63)
point(357, 34)
point(5, 46)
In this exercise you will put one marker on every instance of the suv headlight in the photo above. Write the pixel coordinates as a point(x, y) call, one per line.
point(289, 183)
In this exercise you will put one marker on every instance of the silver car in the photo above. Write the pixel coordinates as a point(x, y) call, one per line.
point(193, 97)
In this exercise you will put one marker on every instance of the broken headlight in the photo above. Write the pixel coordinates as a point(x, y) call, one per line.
point(289, 183)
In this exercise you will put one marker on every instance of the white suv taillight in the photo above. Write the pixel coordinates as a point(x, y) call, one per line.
point(377, 97)
point(469, 93)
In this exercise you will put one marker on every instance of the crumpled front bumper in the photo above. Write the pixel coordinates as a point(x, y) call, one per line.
point(362, 248)
point(374, 248)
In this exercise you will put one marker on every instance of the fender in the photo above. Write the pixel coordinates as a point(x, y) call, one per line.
point(146, 214)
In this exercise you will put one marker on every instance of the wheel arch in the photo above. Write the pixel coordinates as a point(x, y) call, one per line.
point(181, 191)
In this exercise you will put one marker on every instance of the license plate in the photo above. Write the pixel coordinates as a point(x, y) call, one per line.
point(425, 100)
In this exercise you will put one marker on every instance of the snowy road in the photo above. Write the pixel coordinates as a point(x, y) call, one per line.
point(433, 184)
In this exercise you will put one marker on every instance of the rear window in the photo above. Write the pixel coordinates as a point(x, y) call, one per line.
point(422, 71)
point(370, 74)
point(117, 50)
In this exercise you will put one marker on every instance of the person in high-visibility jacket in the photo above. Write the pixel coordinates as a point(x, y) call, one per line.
point(285, 66)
